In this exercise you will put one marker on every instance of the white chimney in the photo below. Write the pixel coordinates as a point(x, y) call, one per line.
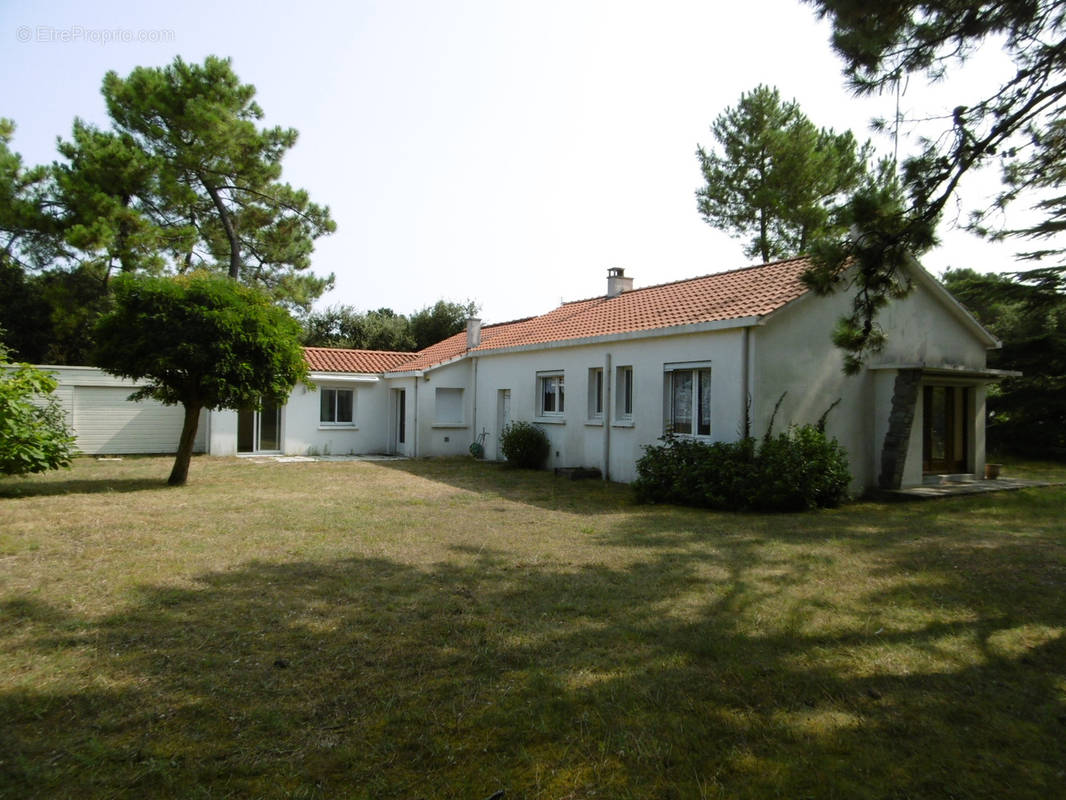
point(617, 282)
point(473, 333)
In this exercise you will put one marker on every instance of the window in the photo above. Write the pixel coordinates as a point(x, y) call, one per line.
point(337, 407)
point(687, 399)
point(551, 394)
point(595, 393)
point(449, 407)
point(624, 394)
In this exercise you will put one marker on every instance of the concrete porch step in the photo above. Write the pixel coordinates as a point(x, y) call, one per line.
point(941, 480)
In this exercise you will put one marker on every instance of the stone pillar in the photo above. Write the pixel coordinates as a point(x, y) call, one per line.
point(900, 422)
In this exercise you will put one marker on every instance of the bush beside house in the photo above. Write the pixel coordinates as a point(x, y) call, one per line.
point(797, 470)
point(525, 445)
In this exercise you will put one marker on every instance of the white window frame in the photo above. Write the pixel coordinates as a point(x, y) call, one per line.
point(623, 393)
point(556, 379)
point(335, 423)
point(695, 370)
point(449, 398)
point(595, 392)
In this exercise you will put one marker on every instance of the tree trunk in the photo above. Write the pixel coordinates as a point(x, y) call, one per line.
point(180, 473)
point(231, 233)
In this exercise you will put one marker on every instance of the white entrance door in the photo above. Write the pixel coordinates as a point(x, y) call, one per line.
point(399, 431)
point(503, 419)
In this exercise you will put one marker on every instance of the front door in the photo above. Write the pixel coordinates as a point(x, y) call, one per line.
point(945, 412)
point(399, 436)
point(259, 431)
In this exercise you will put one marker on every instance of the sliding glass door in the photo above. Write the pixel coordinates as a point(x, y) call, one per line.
point(259, 431)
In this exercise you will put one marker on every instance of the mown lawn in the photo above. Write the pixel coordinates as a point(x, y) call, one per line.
point(447, 629)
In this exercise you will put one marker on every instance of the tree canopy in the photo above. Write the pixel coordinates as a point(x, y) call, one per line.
point(213, 176)
point(182, 179)
point(344, 326)
point(1017, 125)
point(384, 329)
point(774, 177)
point(1027, 311)
point(436, 323)
point(202, 341)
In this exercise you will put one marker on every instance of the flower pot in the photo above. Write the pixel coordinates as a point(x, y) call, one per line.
point(991, 471)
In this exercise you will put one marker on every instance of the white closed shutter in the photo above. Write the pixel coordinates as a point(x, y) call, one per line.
point(106, 423)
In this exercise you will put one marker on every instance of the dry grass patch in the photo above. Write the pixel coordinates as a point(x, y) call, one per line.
point(443, 629)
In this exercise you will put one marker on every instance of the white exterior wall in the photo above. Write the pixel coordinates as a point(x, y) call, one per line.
point(793, 352)
point(96, 408)
point(302, 433)
point(441, 436)
point(580, 442)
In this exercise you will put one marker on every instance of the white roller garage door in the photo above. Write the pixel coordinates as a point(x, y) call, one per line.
point(106, 422)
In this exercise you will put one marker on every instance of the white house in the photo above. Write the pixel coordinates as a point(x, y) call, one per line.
point(608, 375)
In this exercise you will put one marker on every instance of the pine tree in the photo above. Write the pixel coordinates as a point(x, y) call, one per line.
point(774, 177)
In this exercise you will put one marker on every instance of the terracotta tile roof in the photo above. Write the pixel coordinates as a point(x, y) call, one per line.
point(749, 292)
point(335, 359)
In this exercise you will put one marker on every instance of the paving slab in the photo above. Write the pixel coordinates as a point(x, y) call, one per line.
point(956, 488)
point(262, 459)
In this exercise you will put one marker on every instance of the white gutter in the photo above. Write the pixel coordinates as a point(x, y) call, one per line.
point(343, 377)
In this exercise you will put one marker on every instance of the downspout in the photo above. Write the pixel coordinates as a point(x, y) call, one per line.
point(745, 378)
point(415, 420)
point(475, 400)
point(607, 418)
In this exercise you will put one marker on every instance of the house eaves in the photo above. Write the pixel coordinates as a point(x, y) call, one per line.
point(628, 336)
point(343, 377)
point(652, 333)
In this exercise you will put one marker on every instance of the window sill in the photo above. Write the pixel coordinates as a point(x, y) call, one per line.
point(594, 423)
point(560, 420)
point(623, 423)
point(325, 426)
point(449, 425)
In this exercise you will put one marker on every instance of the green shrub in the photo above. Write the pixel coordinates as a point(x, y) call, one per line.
point(793, 471)
point(34, 436)
point(525, 445)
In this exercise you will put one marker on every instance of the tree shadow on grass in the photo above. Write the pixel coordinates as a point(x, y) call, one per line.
point(541, 488)
point(19, 488)
point(698, 672)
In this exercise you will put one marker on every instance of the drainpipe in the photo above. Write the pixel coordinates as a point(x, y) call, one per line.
point(474, 421)
point(607, 417)
point(745, 388)
point(415, 420)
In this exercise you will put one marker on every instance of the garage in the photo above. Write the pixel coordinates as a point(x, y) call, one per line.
point(107, 423)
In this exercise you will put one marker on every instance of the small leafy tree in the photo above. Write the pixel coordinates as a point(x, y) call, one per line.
point(201, 341)
point(34, 436)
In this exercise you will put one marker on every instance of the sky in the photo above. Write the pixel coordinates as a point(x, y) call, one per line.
point(502, 152)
